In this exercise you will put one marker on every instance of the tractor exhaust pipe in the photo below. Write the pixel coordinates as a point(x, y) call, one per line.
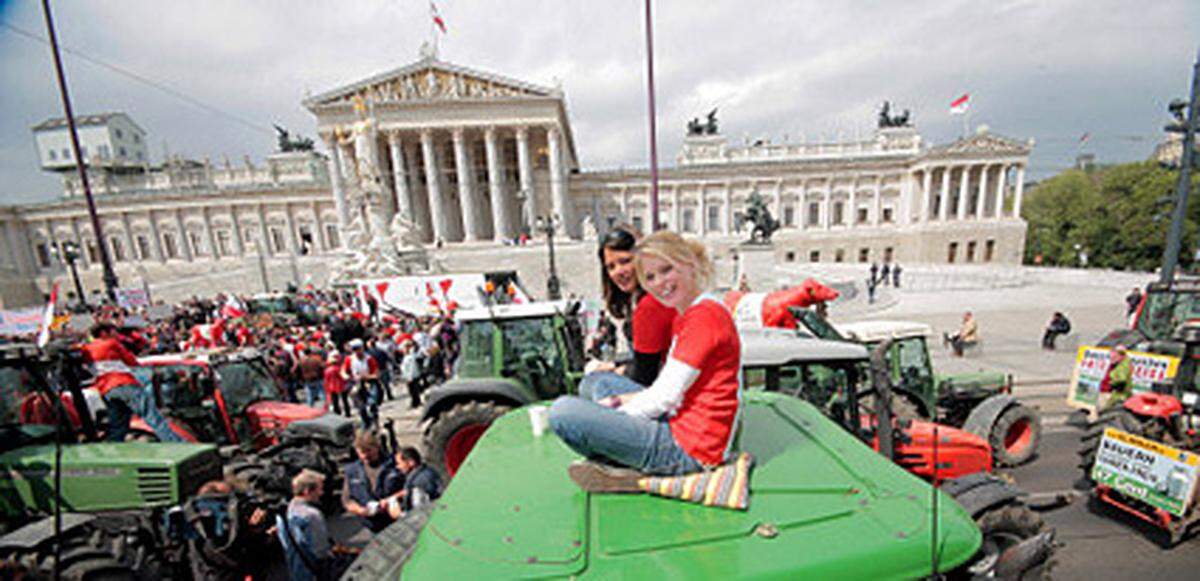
point(881, 381)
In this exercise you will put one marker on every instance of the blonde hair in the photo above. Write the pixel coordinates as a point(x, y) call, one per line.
point(308, 479)
point(677, 250)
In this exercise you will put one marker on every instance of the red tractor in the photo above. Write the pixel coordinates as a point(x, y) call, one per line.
point(1142, 455)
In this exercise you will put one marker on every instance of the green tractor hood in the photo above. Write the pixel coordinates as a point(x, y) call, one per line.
point(822, 506)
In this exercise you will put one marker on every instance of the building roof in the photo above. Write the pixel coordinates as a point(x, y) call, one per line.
point(84, 121)
point(983, 141)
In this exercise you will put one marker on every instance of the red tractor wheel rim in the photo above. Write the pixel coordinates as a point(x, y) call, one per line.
point(1019, 436)
point(460, 445)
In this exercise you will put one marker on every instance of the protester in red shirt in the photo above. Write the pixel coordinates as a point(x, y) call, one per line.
point(686, 420)
point(124, 396)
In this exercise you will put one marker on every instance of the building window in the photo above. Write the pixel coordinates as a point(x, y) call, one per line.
point(790, 257)
point(223, 239)
point(839, 255)
point(970, 251)
point(140, 157)
point(51, 154)
point(888, 254)
point(864, 254)
point(814, 214)
point(638, 224)
point(93, 251)
point(814, 256)
point(689, 220)
point(989, 250)
point(42, 251)
point(198, 248)
point(277, 244)
point(170, 246)
point(118, 249)
point(839, 209)
point(306, 239)
point(862, 216)
point(713, 218)
point(331, 234)
point(247, 237)
point(143, 246)
point(887, 216)
point(104, 152)
point(117, 131)
point(137, 138)
point(951, 252)
point(121, 151)
point(789, 215)
point(66, 154)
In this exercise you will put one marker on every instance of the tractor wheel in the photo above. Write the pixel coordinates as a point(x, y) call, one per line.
point(1119, 418)
point(1004, 527)
point(1015, 436)
point(385, 556)
point(453, 434)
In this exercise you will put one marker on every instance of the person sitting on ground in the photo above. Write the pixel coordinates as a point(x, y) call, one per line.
point(308, 547)
point(1059, 325)
point(422, 485)
point(686, 420)
point(967, 335)
point(648, 322)
point(371, 482)
point(121, 391)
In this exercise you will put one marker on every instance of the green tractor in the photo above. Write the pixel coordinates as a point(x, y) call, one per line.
point(980, 403)
point(822, 505)
point(510, 356)
point(112, 498)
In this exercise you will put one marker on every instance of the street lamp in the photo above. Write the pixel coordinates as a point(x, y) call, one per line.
point(67, 254)
point(547, 225)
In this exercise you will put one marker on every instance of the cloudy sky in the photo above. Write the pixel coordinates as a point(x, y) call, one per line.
point(1051, 70)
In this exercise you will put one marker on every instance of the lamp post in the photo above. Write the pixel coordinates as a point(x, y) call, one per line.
point(1184, 122)
point(547, 225)
point(68, 255)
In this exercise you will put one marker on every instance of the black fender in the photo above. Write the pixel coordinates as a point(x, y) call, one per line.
point(981, 491)
point(499, 389)
point(984, 415)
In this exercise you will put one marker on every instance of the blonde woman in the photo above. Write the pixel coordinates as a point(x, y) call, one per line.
point(686, 419)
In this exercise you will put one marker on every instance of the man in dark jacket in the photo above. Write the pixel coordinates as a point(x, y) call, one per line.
point(422, 485)
point(372, 483)
point(1059, 325)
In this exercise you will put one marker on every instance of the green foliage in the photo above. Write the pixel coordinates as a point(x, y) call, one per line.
point(1113, 213)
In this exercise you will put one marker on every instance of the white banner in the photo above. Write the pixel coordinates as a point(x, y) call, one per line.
point(438, 293)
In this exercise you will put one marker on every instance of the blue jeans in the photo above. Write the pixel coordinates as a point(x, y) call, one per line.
point(594, 430)
point(315, 392)
point(129, 400)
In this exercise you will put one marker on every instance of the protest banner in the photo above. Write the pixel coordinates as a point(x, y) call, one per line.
point(1092, 363)
point(1157, 474)
point(19, 322)
point(132, 298)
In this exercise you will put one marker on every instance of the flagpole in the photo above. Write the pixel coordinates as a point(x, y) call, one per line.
point(653, 129)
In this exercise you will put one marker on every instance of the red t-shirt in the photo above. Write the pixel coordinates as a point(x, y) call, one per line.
point(112, 362)
point(707, 339)
point(652, 323)
point(333, 379)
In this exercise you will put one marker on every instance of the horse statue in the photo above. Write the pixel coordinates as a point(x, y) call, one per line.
point(287, 143)
point(763, 225)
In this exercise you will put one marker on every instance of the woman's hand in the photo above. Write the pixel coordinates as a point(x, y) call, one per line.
point(616, 401)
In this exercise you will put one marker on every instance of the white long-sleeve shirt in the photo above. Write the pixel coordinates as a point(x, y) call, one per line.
point(665, 394)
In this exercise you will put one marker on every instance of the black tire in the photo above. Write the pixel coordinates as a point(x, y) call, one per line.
point(464, 416)
point(385, 556)
point(1118, 418)
point(1005, 526)
point(1015, 436)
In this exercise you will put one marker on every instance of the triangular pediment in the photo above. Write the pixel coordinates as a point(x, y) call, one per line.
point(429, 80)
point(984, 143)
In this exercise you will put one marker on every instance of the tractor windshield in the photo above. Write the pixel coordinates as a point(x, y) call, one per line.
point(531, 350)
point(245, 382)
point(477, 343)
point(1165, 310)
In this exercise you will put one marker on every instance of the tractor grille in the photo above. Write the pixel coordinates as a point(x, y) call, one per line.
point(154, 484)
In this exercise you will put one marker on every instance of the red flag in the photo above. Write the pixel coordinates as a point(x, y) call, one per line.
point(446, 283)
point(959, 105)
point(382, 288)
point(437, 18)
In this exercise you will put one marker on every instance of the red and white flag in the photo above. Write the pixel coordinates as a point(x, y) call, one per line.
point(233, 308)
point(959, 105)
point(48, 318)
point(437, 17)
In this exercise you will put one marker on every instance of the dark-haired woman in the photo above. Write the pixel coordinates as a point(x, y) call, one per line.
point(648, 323)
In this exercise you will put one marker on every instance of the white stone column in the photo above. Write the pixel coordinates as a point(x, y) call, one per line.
point(208, 233)
point(319, 241)
point(156, 237)
point(944, 195)
point(1020, 191)
point(676, 211)
point(963, 192)
point(185, 240)
point(501, 220)
point(853, 203)
point(264, 238)
point(727, 225)
point(132, 248)
point(778, 199)
point(703, 209)
point(998, 207)
point(525, 172)
point(289, 221)
point(625, 203)
point(466, 194)
point(239, 247)
point(437, 205)
point(827, 212)
point(400, 177)
point(558, 184)
point(335, 180)
point(927, 185)
point(981, 198)
point(420, 197)
point(877, 196)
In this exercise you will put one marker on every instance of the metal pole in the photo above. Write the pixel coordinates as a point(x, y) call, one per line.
point(1182, 189)
point(78, 285)
point(553, 287)
point(110, 277)
point(653, 127)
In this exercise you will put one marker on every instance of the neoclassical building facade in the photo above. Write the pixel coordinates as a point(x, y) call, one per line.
point(476, 158)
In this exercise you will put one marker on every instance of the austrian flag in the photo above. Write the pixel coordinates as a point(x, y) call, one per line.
point(959, 105)
point(437, 18)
